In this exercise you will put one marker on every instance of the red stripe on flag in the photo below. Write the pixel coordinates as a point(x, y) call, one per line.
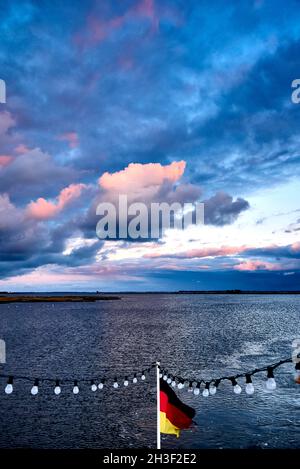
point(173, 414)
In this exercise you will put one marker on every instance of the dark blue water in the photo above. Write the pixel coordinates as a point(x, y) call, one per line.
point(197, 335)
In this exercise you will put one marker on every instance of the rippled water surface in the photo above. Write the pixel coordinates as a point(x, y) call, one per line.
point(196, 335)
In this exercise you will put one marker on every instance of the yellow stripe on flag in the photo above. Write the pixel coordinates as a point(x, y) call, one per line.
point(167, 427)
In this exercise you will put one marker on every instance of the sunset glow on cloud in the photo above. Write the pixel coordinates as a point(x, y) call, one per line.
point(148, 98)
point(138, 175)
point(5, 160)
point(43, 209)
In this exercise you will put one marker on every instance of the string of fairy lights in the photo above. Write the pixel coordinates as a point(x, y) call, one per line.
point(95, 383)
point(208, 387)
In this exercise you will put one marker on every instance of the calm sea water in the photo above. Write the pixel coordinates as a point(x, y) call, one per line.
point(194, 335)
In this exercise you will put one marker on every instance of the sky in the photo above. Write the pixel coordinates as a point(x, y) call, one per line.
point(161, 100)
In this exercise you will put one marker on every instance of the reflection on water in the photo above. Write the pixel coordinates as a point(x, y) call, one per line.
point(194, 335)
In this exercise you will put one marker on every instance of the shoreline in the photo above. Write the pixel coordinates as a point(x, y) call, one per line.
point(80, 297)
point(56, 299)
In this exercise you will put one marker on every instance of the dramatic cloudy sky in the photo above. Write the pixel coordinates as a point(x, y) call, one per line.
point(164, 100)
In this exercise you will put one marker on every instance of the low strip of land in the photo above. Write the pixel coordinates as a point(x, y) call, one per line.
point(55, 299)
point(237, 292)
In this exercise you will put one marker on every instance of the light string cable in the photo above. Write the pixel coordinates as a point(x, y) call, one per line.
point(95, 382)
point(210, 386)
point(193, 384)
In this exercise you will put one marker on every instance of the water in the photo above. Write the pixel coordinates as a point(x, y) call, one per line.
point(194, 335)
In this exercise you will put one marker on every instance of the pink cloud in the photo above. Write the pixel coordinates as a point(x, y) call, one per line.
point(97, 30)
point(42, 209)
point(202, 252)
point(180, 267)
point(296, 247)
point(66, 276)
point(137, 176)
point(256, 265)
point(148, 183)
point(21, 149)
point(5, 160)
point(146, 9)
point(45, 275)
point(70, 137)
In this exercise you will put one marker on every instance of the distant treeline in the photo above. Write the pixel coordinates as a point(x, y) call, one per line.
point(237, 292)
point(207, 292)
point(54, 299)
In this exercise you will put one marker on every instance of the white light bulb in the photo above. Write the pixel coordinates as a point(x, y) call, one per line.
point(169, 380)
point(196, 391)
point(34, 390)
point(9, 388)
point(249, 388)
point(76, 390)
point(173, 384)
point(212, 390)
point(165, 377)
point(134, 380)
point(237, 389)
point(271, 384)
point(143, 377)
point(160, 375)
point(57, 390)
point(93, 387)
point(126, 382)
point(205, 392)
point(100, 386)
point(116, 385)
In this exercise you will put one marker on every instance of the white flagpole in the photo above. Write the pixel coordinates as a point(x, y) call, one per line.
point(158, 446)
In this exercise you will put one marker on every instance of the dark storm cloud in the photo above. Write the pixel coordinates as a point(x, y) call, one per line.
point(26, 244)
point(37, 245)
point(35, 174)
point(221, 209)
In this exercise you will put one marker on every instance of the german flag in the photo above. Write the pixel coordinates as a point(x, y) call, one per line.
point(174, 414)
